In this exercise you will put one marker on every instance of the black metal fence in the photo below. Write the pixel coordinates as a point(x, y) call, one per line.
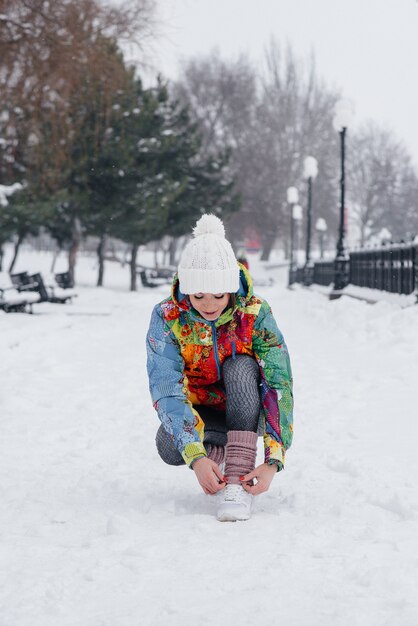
point(323, 273)
point(392, 268)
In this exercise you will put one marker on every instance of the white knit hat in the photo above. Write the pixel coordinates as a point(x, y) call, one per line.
point(208, 263)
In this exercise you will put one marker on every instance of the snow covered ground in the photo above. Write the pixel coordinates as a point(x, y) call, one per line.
point(96, 531)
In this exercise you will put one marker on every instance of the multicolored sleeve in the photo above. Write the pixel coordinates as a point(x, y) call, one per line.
point(276, 385)
point(168, 388)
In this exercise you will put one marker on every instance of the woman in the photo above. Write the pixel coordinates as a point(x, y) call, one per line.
point(219, 373)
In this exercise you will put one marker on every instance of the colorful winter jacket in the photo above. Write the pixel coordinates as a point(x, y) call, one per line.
point(185, 357)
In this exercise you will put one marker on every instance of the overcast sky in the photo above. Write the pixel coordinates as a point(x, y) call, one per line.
point(368, 48)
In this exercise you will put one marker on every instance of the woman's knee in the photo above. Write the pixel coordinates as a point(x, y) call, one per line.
point(166, 449)
point(242, 366)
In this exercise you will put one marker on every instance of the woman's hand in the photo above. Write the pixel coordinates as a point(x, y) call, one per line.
point(209, 475)
point(264, 474)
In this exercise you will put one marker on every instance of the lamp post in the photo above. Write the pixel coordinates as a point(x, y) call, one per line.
point(310, 172)
point(292, 198)
point(342, 119)
point(321, 228)
point(297, 216)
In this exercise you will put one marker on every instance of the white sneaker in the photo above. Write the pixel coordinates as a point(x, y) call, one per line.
point(235, 504)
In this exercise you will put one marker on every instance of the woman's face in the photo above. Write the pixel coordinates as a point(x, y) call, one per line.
point(209, 305)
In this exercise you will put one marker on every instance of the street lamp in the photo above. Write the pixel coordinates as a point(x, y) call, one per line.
point(342, 118)
point(310, 172)
point(292, 198)
point(321, 228)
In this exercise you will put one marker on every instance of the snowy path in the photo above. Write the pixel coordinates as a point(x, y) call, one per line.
point(96, 531)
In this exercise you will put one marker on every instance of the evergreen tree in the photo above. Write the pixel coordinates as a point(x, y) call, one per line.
point(60, 69)
point(153, 174)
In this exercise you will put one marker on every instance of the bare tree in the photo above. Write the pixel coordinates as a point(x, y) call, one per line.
point(295, 122)
point(271, 121)
point(382, 184)
point(223, 101)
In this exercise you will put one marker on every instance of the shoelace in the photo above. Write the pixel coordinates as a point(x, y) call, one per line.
point(235, 493)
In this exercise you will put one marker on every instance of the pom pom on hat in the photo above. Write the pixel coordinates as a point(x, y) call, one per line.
point(209, 223)
point(208, 263)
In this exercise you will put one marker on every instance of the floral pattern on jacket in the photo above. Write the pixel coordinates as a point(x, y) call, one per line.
point(185, 357)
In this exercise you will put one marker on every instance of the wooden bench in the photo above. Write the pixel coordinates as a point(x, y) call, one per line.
point(156, 276)
point(64, 280)
point(35, 283)
point(14, 301)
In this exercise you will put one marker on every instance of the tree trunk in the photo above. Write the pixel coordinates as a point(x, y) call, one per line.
point(1, 257)
point(16, 252)
point(362, 235)
point(100, 255)
point(156, 249)
point(54, 259)
point(267, 246)
point(134, 254)
point(75, 244)
point(172, 251)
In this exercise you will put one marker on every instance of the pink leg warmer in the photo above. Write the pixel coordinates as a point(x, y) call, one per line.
point(241, 452)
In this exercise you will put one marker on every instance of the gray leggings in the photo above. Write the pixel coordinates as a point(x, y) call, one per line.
point(241, 377)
